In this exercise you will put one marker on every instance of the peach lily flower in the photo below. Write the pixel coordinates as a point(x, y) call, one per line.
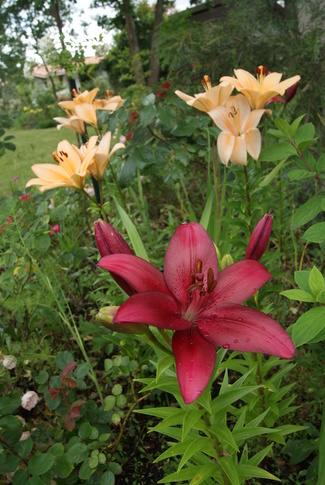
point(102, 154)
point(259, 91)
point(111, 103)
point(239, 134)
point(71, 171)
point(79, 111)
point(72, 123)
point(213, 96)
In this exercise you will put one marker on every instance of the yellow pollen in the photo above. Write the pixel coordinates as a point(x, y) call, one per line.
point(206, 82)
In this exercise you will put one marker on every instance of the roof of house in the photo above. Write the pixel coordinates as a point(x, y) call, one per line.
point(42, 72)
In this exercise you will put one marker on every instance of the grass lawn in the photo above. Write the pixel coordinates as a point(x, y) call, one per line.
point(32, 146)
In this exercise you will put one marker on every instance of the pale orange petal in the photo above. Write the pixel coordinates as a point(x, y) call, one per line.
point(225, 145)
point(287, 83)
point(222, 120)
point(49, 172)
point(271, 82)
point(184, 97)
point(242, 107)
point(253, 119)
point(253, 142)
point(247, 80)
point(87, 113)
point(239, 153)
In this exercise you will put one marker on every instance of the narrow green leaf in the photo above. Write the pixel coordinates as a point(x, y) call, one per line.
point(205, 219)
point(224, 435)
point(223, 401)
point(163, 364)
point(197, 473)
point(195, 446)
point(256, 459)
point(321, 454)
point(191, 417)
point(132, 232)
point(230, 469)
point(295, 124)
point(272, 174)
point(299, 174)
point(249, 471)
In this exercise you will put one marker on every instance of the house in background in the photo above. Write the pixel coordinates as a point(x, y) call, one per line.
point(50, 77)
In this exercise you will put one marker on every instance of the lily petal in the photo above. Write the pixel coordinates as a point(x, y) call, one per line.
point(195, 358)
point(153, 308)
point(190, 244)
point(138, 273)
point(239, 281)
point(253, 142)
point(225, 145)
point(241, 328)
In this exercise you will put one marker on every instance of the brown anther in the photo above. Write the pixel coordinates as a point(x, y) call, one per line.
point(211, 283)
point(202, 293)
point(56, 157)
point(198, 266)
point(192, 278)
point(74, 92)
point(108, 94)
point(261, 71)
point(63, 154)
point(206, 82)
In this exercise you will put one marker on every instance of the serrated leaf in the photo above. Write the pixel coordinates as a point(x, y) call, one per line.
point(299, 295)
point(308, 326)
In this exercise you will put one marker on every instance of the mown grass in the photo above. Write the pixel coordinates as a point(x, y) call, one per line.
point(32, 146)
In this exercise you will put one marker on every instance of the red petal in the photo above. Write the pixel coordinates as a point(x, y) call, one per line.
point(195, 358)
point(138, 273)
point(189, 244)
point(241, 328)
point(153, 308)
point(239, 281)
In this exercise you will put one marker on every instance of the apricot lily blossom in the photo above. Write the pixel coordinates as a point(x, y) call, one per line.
point(201, 307)
point(259, 90)
point(239, 133)
point(71, 170)
point(213, 96)
point(103, 155)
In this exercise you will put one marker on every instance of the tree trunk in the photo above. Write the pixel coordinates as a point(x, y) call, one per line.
point(49, 76)
point(154, 61)
point(133, 42)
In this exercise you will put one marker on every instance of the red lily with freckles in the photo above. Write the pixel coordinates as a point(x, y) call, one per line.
point(203, 308)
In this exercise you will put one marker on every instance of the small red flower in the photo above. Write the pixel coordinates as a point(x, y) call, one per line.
point(9, 220)
point(129, 136)
point(24, 197)
point(54, 229)
point(133, 117)
point(166, 85)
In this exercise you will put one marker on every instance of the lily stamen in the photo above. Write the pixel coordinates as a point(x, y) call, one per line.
point(206, 83)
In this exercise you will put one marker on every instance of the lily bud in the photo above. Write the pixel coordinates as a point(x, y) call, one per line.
point(259, 239)
point(291, 93)
point(226, 261)
point(106, 315)
point(109, 240)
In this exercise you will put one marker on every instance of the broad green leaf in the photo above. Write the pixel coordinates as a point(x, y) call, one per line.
point(77, 453)
point(284, 126)
point(184, 128)
point(316, 281)
point(299, 174)
point(85, 471)
point(299, 295)
point(315, 233)
point(150, 99)
point(277, 152)
point(307, 212)
point(304, 133)
point(8, 464)
point(85, 429)
point(167, 116)
point(321, 163)
point(8, 405)
point(11, 429)
point(272, 174)
point(132, 232)
point(42, 242)
point(24, 448)
point(40, 463)
point(108, 478)
point(205, 219)
point(302, 278)
point(295, 124)
point(308, 325)
point(20, 477)
point(147, 114)
point(63, 467)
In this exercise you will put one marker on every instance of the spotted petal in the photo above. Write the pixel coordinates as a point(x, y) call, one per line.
point(241, 328)
point(195, 358)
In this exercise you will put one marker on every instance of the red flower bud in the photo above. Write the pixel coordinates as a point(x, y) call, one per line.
point(109, 241)
point(166, 85)
point(24, 197)
point(291, 93)
point(129, 136)
point(259, 238)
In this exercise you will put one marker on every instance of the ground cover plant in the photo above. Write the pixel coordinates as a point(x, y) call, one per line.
point(162, 295)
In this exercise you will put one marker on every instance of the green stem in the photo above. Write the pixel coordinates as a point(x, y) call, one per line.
point(100, 207)
point(248, 198)
point(116, 183)
point(216, 179)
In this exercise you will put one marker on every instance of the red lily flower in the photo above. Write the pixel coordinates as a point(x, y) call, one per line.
point(203, 308)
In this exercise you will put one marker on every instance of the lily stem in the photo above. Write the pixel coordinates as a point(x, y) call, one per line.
point(248, 198)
